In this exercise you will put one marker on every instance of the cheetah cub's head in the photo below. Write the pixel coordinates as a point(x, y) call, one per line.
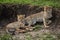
point(20, 17)
point(48, 10)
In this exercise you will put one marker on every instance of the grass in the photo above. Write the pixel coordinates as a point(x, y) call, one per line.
point(41, 37)
point(54, 3)
point(28, 37)
point(6, 37)
point(38, 27)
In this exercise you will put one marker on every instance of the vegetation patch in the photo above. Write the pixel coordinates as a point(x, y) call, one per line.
point(41, 37)
point(37, 27)
point(54, 3)
point(6, 37)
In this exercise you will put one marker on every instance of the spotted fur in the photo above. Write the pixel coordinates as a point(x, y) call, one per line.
point(42, 16)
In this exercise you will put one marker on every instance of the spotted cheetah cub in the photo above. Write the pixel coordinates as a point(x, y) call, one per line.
point(11, 27)
point(42, 16)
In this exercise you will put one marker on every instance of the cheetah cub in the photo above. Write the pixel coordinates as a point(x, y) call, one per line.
point(12, 27)
point(42, 16)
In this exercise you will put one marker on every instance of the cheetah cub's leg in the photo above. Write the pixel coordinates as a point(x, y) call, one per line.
point(45, 22)
point(49, 22)
point(29, 23)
